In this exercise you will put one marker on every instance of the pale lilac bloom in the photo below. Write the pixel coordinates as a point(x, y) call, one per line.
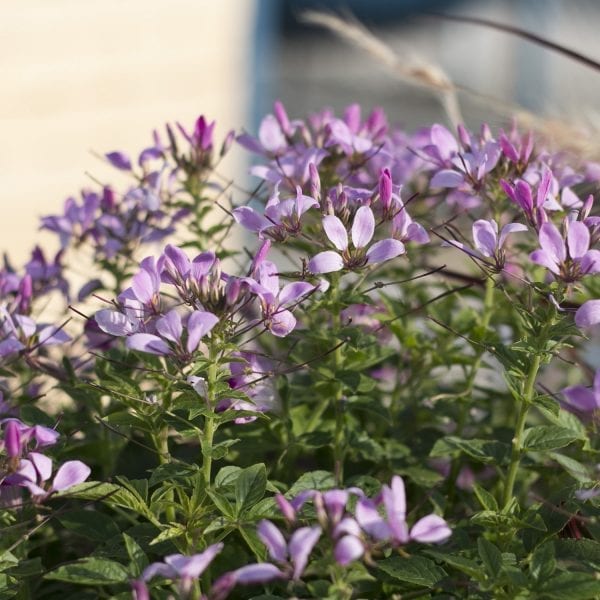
point(281, 217)
point(36, 470)
point(250, 377)
point(569, 261)
point(521, 194)
point(588, 314)
point(274, 302)
point(186, 569)
point(393, 527)
point(487, 243)
point(293, 554)
point(170, 332)
point(582, 398)
point(363, 229)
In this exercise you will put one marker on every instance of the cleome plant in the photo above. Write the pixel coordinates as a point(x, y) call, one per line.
point(372, 376)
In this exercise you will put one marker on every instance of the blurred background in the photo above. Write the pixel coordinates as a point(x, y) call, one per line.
point(83, 78)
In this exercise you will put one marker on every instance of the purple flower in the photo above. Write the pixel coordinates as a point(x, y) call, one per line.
point(569, 261)
point(293, 554)
point(179, 567)
point(363, 229)
point(393, 527)
point(281, 218)
point(274, 302)
point(36, 470)
point(170, 332)
point(521, 194)
point(119, 160)
point(582, 398)
point(487, 243)
point(588, 314)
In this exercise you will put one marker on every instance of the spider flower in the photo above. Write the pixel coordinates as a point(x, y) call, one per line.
point(360, 255)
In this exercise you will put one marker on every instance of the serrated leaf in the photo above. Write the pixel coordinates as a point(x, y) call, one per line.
point(222, 504)
point(250, 487)
point(547, 437)
point(91, 571)
point(417, 570)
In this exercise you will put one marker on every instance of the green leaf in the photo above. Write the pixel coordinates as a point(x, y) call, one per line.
point(574, 468)
point(584, 550)
point(170, 472)
point(137, 557)
point(221, 449)
point(547, 437)
point(93, 525)
point(417, 570)
point(570, 586)
point(491, 556)
point(543, 562)
point(485, 451)
point(91, 571)
point(313, 480)
point(227, 475)
point(254, 543)
point(169, 533)
point(250, 487)
point(470, 567)
point(222, 504)
point(27, 568)
point(487, 500)
point(110, 493)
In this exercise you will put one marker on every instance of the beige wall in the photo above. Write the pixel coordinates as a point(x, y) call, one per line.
point(84, 76)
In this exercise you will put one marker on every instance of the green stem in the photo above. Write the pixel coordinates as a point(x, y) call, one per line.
point(210, 424)
point(517, 441)
point(161, 442)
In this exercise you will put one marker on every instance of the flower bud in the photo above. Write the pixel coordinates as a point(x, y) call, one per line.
point(12, 439)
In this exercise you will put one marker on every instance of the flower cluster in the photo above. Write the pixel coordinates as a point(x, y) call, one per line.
point(23, 464)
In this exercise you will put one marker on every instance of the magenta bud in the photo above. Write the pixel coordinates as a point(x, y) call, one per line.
point(232, 290)
point(227, 142)
point(587, 207)
point(12, 439)
point(385, 188)
point(25, 293)
point(463, 136)
point(315, 181)
point(282, 118)
point(140, 590)
point(287, 510)
point(526, 147)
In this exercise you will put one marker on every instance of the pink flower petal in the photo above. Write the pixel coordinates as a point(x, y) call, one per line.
point(363, 227)
point(336, 232)
point(326, 262)
point(384, 250)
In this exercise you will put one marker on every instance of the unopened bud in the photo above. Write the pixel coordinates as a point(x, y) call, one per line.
point(12, 439)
